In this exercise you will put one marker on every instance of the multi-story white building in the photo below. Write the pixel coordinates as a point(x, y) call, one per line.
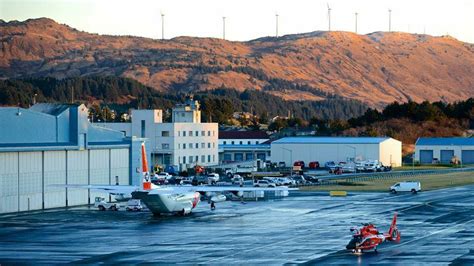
point(183, 143)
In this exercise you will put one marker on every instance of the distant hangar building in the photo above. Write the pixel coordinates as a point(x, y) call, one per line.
point(442, 150)
point(55, 144)
point(338, 149)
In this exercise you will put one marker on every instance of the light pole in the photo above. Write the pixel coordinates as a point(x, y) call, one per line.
point(291, 160)
point(355, 151)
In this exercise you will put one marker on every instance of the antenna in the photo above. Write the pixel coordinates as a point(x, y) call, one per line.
point(276, 18)
point(356, 14)
point(162, 26)
point(223, 28)
point(329, 17)
point(389, 20)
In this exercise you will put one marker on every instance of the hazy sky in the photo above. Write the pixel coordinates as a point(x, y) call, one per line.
point(248, 19)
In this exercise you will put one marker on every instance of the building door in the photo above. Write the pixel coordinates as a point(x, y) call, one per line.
point(446, 156)
point(467, 156)
point(426, 156)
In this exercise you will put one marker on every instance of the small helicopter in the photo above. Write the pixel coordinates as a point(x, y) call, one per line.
point(368, 237)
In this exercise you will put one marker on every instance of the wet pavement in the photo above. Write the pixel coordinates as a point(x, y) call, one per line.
point(437, 227)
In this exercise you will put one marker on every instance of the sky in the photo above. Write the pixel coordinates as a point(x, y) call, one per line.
point(248, 19)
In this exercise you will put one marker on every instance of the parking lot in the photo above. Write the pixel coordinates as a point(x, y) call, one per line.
point(307, 227)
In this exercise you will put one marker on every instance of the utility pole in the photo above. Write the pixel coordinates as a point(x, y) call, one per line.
point(162, 26)
point(276, 18)
point(223, 28)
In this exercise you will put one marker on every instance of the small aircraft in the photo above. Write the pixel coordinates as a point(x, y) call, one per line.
point(368, 237)
point(171, 199)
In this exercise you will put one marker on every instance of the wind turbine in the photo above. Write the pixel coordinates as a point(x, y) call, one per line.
point(356, 14)
point(329, 17)
point(223, 28)
point(389, 20)
point(276, 18)
point(162, 26)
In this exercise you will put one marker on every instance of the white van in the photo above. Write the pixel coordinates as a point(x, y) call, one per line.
point(406, 186)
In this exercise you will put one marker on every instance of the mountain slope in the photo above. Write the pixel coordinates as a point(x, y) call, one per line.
point(377, 68)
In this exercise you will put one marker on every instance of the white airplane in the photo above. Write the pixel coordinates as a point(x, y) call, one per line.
point(171, 199)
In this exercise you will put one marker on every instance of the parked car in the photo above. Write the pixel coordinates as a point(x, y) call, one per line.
point(299, 163)
point(311, 179)
point(285, 181)
point(314, 165)
point(281, 164)
point(406, 186)
point(273, 180)
point(330, 165)
point(134, 205)
point(237, 180)
point(299, 179)
point(164, 175)
point(264, 183)
point(213, 178)
point(199, 180)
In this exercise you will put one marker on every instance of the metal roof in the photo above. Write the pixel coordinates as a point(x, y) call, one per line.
point(331, 140)
point(51, 108)
point(242, 135)
point(445, 141)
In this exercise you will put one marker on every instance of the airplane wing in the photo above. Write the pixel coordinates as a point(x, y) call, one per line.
point(204, 189)
point(112, 189)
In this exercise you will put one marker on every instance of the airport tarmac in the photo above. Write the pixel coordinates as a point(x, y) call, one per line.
point(307, 228)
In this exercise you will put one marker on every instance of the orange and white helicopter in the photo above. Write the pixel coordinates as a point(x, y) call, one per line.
point(368, 237)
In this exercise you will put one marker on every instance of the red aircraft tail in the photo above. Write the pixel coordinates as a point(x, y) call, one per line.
point(146, 175)
point(393, 233)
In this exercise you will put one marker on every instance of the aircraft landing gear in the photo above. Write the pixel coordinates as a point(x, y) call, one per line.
point(213, 206)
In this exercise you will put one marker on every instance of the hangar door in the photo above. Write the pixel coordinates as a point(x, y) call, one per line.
point(426, 156)
point(446, 156)
point(467, 156)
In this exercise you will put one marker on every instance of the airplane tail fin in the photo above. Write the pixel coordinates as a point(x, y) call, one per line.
point(393, 233)
point(146, 175)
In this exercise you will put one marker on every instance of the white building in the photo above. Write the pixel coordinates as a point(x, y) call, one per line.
point(239, 146)
point(182, 144)
point(430, 150)
point(337, 149)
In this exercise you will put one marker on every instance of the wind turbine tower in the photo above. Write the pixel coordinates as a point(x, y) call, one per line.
point(356, 14)
point(389, 20)
point(162, 26)
point(223, 28)
point(329, 18)
point(276, 18)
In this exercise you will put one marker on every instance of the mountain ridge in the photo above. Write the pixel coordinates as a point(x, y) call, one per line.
point(376, 68)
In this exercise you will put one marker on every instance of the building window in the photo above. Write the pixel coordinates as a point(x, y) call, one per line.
point(179, 159)
point(179, 146)
point(208, 133)
point(184, 159)
point(249, 142)
point(203, 145)
point(209, 145)
point(165, 133)
point(197, 158)
point(143, 129)
point(190, 145)
point(190, 159)
point(203, 133)
point(238, 157)
point(184, 146)
point(197, 145)
point(248, 156)
point(197, 133)
point(240, 142)
point(209, 158)
point(203, 158)
point(179, 133)
point(227, 157)
point(165, 146)
point(213, 158)
point(190, 133)
point(213, 144)
point(233, 142)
